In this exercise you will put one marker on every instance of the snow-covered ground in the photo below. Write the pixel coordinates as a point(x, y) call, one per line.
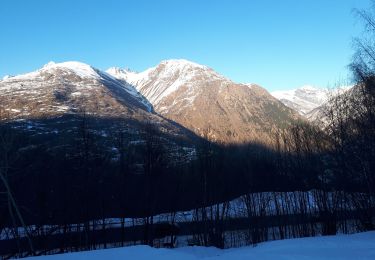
point(356, 246)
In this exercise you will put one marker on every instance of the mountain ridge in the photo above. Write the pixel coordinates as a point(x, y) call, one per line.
point(307, 98)
point(192, 95)
point(187, 93)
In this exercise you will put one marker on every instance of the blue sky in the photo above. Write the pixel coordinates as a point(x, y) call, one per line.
point(277, 44)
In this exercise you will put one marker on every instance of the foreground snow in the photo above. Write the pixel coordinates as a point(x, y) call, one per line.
point(357, 246)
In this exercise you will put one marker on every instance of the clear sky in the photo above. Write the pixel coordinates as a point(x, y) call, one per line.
point(279, 44)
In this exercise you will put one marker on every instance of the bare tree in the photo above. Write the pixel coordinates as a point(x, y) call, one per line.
point(153, 163)
point(8, 156)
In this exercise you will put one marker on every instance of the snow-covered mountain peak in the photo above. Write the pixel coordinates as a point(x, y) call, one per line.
point(116, 70)
point(166, 66)
point(182, 63)
point(185, 69)
point(306, 98)
point(167, 77)
point(119, 73)
point(303, 99)
point(63, 85)
point(7, 77)
point(304, 90)
point(49, 64)
point(81, 69)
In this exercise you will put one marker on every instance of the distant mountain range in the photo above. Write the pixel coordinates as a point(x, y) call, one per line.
point(176, 95)
point(307, 100)
point(207, 103)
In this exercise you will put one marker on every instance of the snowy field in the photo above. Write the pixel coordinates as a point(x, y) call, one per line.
point(356, 246)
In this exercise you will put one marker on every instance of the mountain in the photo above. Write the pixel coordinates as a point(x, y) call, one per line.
point(307, 98)
point(7, 77)
point(347, 95)
point(69, 87)
point(208, 103)
point(53, 101)
point(176, 95)
point(303, 99)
